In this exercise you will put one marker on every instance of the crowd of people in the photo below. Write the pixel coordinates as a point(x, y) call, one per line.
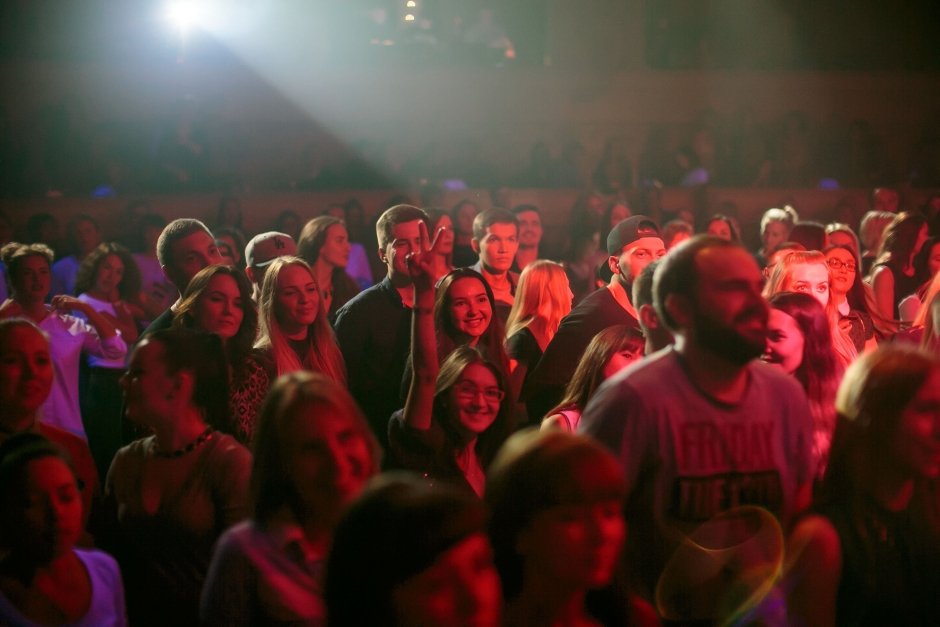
point(440, 426)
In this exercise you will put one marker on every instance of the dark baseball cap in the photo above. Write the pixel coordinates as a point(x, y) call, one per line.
point(629, 231)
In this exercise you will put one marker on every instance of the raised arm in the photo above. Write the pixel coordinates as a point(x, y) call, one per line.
point(424, 364)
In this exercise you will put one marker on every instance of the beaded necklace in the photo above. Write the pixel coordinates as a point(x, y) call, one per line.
point(201, 439)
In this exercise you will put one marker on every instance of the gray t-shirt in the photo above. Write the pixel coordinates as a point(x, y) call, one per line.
point(688, 457)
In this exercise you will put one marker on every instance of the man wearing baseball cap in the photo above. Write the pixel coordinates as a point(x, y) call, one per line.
point(261, 251)
point(632, 245)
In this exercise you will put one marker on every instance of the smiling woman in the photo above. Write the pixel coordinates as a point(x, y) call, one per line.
point(218, 301)
point(457, 413)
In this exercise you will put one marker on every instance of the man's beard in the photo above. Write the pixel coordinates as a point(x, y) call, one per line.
point(728, 342)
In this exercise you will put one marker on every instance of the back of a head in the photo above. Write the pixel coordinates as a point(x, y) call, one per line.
point(397, 528)
point(812, 235)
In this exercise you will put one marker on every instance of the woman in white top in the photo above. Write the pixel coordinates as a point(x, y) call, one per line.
point(44, 579)
point(108, 281)
point(29, 271)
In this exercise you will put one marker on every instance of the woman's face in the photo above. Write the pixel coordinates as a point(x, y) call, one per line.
point(916, 445)
point(47, 522)
point(148, 388)
point(470, 309)
point(26, 372)
point(109, 276)
point(720, 228)
point(461, 587)
point(447, 236)
point(621, 359)
point(327, 457)
point(297, 301)
point(784, 342)
point(618, 213)
point(842, 270)
point(219, 309)
point(812, 279)
point(33, 279)
point(933, 261)
point(775, 233)
point(577, 544)
point(336, 248)
point(475, 399)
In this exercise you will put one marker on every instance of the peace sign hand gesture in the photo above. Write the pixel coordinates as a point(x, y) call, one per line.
point(420, 263)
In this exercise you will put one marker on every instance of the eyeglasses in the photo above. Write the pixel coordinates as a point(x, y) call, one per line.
point(467, 391)
point(836, 264)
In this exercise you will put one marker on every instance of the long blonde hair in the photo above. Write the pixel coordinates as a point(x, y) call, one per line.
point(781, 280)
point(543, 298)
point(323, 354)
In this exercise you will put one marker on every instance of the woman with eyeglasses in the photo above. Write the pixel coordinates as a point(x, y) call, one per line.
point(848, 295)
point(456, 414)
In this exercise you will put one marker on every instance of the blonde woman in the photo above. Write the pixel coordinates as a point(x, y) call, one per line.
point(808, 272)
point(543, 298)
point(292, 322)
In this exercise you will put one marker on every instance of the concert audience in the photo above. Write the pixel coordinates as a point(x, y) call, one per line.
point(29, 274)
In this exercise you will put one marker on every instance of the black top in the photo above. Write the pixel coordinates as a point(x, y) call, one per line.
point(890, 567)
point(546, 382)
point(374, 334)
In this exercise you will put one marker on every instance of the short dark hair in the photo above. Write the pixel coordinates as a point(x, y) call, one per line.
point(642, 293)
point(677, 273)
point(496, 215)
point(399, 214)
point(175, 231)
point(524, 208)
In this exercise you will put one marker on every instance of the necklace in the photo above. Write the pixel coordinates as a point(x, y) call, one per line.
point(201, 439)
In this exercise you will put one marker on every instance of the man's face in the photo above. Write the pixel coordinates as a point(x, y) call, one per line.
point(729, 316)
point(87, 237)
point(530, 229)
point(189, 255)
point(406, 239)
point(635, 256)
point(498, 247)
point(886, 199)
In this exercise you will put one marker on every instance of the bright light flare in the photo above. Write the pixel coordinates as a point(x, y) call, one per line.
point(182, 16)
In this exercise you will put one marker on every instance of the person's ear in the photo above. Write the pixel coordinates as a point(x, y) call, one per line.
point(475, 245)
point(649, 319)
point(383, 255)
point(184, 384)
point(613, 263)
point(250, 273)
